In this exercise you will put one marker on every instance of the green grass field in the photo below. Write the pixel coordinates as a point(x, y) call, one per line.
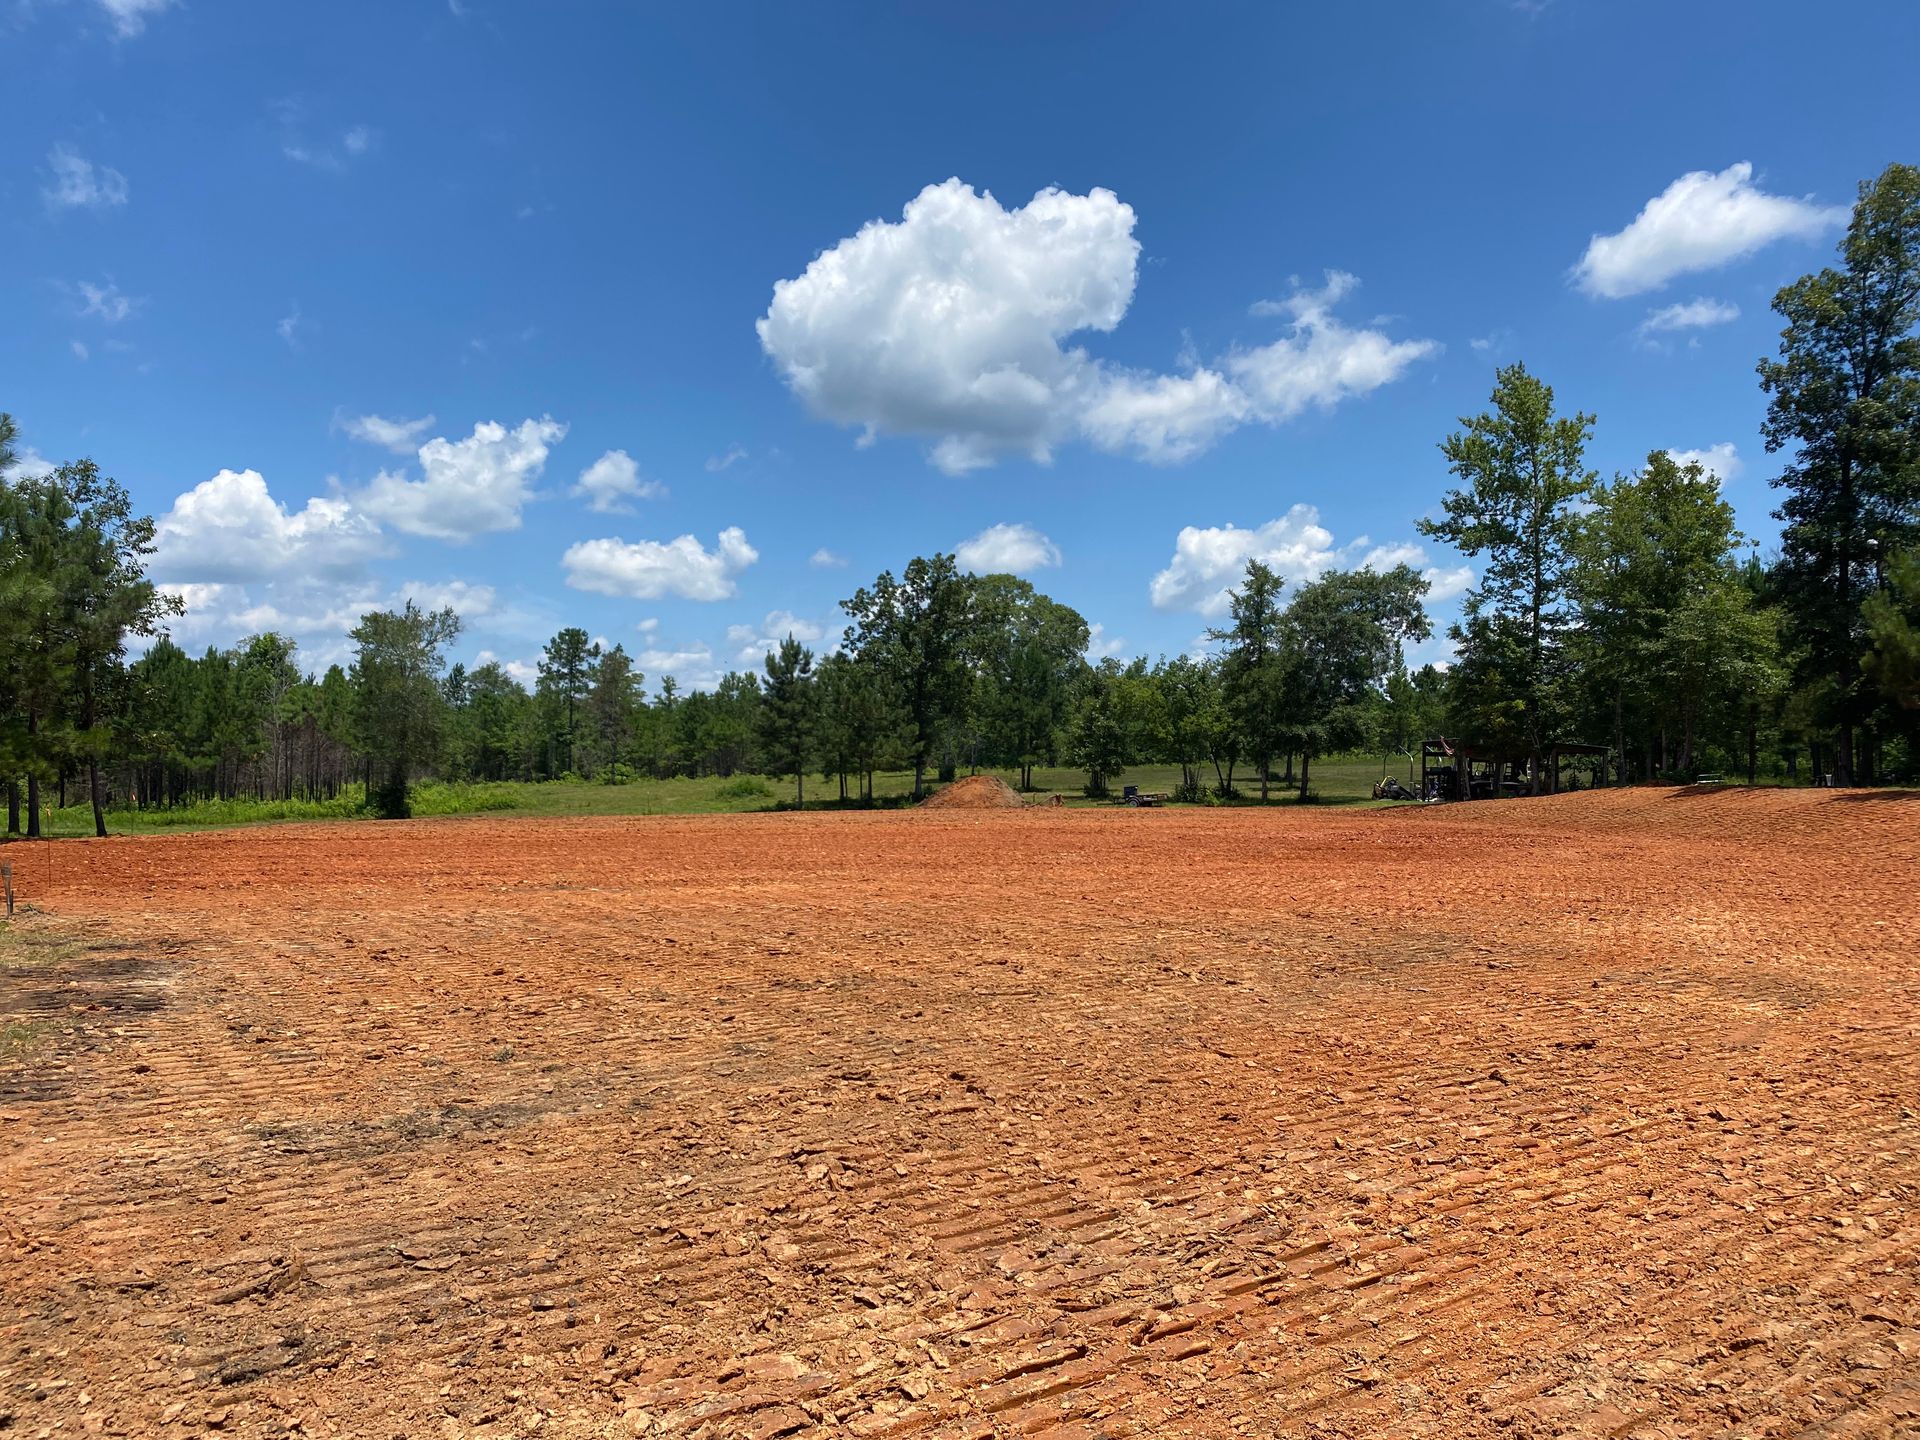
point(1345, 781)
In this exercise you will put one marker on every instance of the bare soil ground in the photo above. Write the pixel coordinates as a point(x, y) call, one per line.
point(1591, 1116)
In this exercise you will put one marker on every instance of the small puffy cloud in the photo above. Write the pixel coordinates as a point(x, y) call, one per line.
point(649, 569)
point(106, 302)
point(751, 643)
point(467, 487)
point(354, 142)
point(956, 323)
point(79, 348)
point(1721, 461)
point(230, 530)
point(1700, 221)
point(692, 667)
point(130, 16)
point(400, 436)
point(730, 456)
point(1208, 563)
point(287, 327)
point(1322, 361)
point(78, 184)
point(825, 559)
point(468, 601)
point(612, 481)
point(1007, 550)
point(1694, 314)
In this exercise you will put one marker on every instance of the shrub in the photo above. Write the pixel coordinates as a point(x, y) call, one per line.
point(745, 787)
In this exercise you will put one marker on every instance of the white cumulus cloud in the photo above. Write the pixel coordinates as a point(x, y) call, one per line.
point(230, 530)
point(1700, 221)
point(1721, 461)
point(400, 436)
point(1694, 314)
point(1209, 562)
point(692, 667)
point(825, 559)
point(751, 643)
point(79, 184)
point(106, 302)
point(467, 487)
point(613, 481)
point(649, 569)
point(956, 323)
point(1007, 550)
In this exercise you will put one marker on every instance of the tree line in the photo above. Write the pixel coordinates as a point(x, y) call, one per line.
point(1628, 610)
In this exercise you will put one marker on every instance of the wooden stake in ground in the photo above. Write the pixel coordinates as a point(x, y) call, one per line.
point(6, 880)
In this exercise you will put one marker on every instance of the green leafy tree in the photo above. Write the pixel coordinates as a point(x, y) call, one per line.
point(1846, 406)
point(1030, 652)
point(72, 556)
point(614, 704)
point(1344, 635)
point(1253, 670)
point(1523, 474)
point(1892, 662)
point(1097, 737)
point(398, 706)
point(1651, 543)
point(1716, 650)
point(1189, 693)
point(917, 632)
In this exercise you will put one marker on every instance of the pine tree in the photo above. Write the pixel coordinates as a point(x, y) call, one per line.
point(1525, 473)
point(787, 713)
point(1846, 404)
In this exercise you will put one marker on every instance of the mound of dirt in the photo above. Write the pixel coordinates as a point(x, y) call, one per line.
point(976, 792)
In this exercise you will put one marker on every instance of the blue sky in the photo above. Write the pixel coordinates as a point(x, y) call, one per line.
point(251, 249)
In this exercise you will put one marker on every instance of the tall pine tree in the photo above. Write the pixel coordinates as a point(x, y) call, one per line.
point(1846, 406)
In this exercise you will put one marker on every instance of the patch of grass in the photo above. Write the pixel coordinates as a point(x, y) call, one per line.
point(77, 820)
point(22, 948)
point(1346, 780)
point(18, 1037)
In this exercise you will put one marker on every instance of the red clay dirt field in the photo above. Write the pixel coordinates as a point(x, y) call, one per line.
point(1591, 1115)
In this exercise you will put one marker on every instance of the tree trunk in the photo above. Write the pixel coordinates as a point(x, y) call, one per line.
point(1306, 764)
point(919, 774)
point(93, 790)
point(1753, 746)
point(1266, 766)
point(33, 778)
point(13, 806)
point(1620, 730)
